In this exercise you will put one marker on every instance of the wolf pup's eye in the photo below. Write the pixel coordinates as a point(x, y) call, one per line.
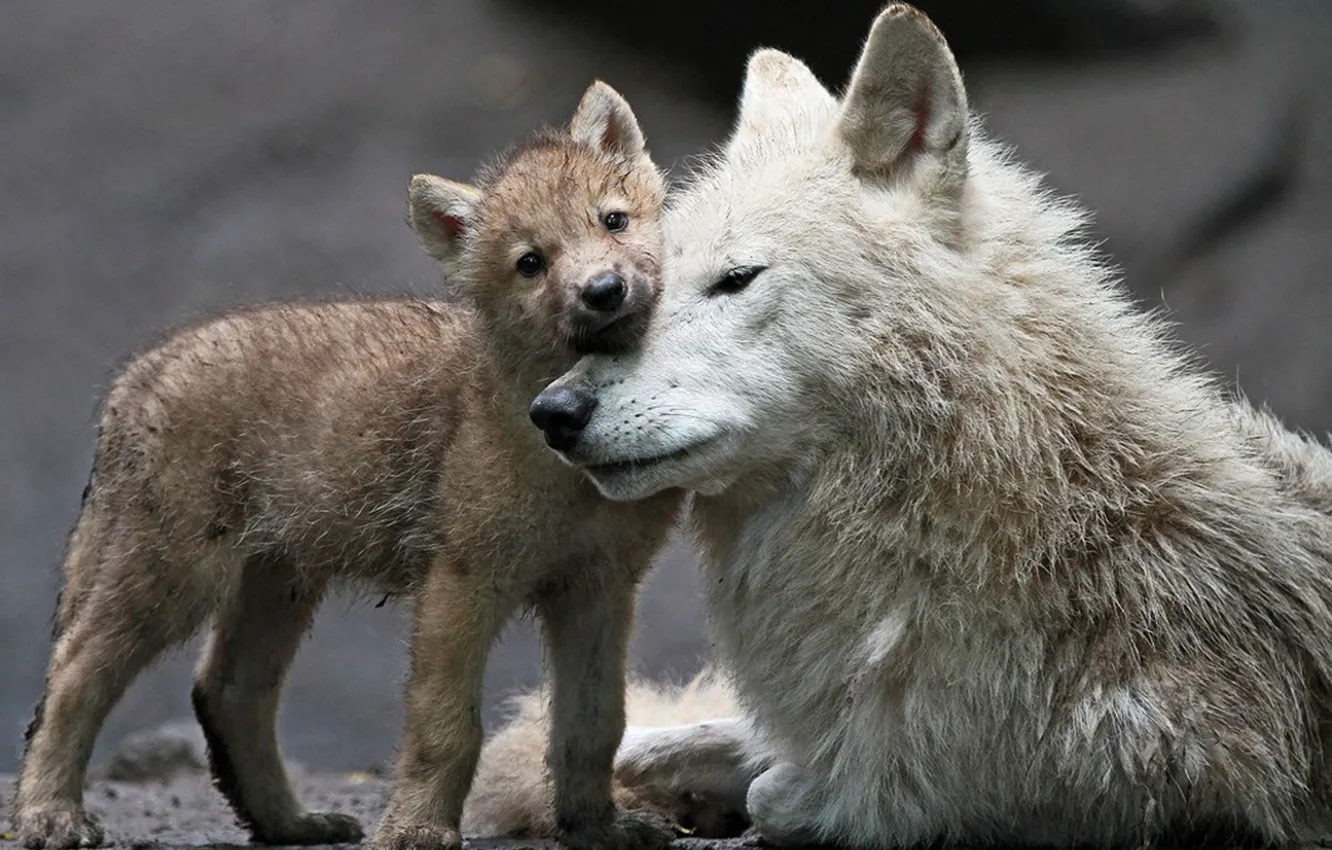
point(615, 221)
point(530, 264)
point(735, 280)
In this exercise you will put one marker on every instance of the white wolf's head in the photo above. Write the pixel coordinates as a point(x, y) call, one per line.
point(818, 219)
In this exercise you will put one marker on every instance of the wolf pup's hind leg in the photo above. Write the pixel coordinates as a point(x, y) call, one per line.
point(122, 607)
point(236, 692)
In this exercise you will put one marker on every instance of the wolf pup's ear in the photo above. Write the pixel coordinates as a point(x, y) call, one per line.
point(906, 99)
point(782, 99)
point(605, 123)
point(442, 213)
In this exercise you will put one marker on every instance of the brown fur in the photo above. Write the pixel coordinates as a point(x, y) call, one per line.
point(249, 463)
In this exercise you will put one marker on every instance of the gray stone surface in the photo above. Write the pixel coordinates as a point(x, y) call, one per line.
point(1209, 171)
point(160, 159)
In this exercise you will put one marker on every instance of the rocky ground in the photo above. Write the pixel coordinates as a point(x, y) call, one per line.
point(187, 812)
point(153, 790)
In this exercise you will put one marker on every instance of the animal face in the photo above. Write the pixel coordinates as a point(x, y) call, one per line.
point(559, 244)
point(579, 254)
point(787, 262)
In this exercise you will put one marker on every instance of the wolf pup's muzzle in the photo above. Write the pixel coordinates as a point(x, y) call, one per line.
point(611, 314)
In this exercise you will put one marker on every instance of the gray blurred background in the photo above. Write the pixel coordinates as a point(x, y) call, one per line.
point(162, 159)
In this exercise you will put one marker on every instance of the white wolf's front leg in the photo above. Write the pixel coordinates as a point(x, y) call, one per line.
point(784, 805)
point(707, 766)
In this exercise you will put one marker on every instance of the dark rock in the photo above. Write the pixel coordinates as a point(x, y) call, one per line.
point(714, 38)
point(158, 755)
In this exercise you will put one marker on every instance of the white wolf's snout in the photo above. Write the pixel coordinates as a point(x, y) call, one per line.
point(562, 412)
point(631, 438)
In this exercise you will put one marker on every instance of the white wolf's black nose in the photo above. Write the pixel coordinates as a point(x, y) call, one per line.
point(605, 292)
point(562, 414)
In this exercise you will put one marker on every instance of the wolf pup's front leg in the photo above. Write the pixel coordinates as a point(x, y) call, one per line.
point(456, 619)
point(587, 632)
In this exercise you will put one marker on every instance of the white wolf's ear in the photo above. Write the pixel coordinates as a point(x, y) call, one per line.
point(442, 213)
point(781, 99)
point(906, 98)
point(605, 123)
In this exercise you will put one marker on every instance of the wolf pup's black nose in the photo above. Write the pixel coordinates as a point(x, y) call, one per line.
point(605, 292)
point(562, 414)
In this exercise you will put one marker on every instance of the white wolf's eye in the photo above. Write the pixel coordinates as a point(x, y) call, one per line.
point(736, 280)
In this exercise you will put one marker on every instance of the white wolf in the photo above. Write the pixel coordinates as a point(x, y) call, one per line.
point(989, 559)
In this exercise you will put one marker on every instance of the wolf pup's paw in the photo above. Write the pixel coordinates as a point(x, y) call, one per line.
point(391, 837)
point(60, 829)
point(315, 828)
point(629, 831)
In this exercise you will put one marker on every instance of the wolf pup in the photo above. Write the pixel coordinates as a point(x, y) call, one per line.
point(246, 465)
point(989, 559)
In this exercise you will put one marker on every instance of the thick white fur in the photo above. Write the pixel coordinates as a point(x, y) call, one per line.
point(989, 558)
point(682, 752)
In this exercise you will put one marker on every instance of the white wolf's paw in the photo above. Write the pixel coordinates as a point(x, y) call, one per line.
point(315, 828)
point(391, 836)
point(60, 829)
point(783, 806)
point(629, 831)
